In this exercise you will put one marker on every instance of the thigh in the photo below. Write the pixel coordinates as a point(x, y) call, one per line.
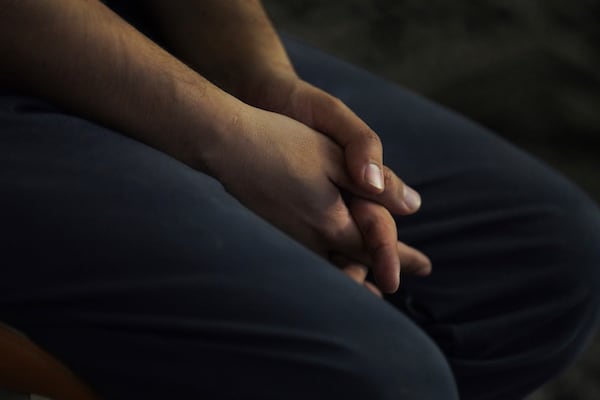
point(148, 280)
point(514, 291)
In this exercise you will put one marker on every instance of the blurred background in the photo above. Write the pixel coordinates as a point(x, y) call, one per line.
point(529, 70)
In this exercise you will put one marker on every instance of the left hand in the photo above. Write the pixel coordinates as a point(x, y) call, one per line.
point(371, 219)
point(283, 92)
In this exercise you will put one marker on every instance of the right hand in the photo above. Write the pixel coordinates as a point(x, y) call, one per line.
point(292, 176)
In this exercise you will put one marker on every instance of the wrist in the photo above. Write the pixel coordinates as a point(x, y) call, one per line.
point(195, 118)
point(252, 82)
point(211, 130)
point(267, 86)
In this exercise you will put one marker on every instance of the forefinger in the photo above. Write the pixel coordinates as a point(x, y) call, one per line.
point(398, 197)
point(363, 151)
point(380, 238)
point(365, 174)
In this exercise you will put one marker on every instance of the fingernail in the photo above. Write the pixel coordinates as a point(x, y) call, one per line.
point(412, 199)
point(373, 176)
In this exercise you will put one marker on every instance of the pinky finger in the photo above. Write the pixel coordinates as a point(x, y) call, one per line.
point(413, 261)
point(356, 271)
point(373, 289)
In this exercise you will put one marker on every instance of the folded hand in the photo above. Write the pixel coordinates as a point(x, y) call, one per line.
point(295, 178)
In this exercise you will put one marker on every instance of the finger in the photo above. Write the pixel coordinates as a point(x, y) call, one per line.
point(356, 271)
point(413, 261)
point(398, 197)
point(341, 236)
point(363, 150)
point(373, 288)
point(338, 237)
point(380, 240)
point(363, 154)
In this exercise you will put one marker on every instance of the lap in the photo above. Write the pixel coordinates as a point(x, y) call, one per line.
point(133, 268)
point(119, 244)
point(516, 268)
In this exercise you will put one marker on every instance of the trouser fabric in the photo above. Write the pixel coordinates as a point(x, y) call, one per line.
point(148, 280)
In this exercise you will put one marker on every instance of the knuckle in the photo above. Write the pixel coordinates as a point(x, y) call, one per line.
point(373, 136)
point(332, 231)
point(334, 224)
point(376, 238)
point(378, 227)
point(379, 244)
point(335, 102)
point(331, 103)
point(370, 228)
point(372, 139)
point(391, 180)
point(389, 176)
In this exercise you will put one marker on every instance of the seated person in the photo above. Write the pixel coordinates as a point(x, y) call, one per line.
point(204, 210)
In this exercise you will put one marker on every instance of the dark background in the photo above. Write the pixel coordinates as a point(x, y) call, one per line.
point(530, 70)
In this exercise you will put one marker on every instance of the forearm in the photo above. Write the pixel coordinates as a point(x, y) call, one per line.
point(87, 59)
point(231, 42)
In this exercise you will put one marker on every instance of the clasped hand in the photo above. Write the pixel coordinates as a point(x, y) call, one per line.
point(313, 169)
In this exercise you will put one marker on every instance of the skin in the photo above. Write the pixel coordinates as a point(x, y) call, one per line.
point(228, 103)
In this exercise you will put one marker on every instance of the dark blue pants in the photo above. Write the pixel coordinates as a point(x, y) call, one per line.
point(151, 282)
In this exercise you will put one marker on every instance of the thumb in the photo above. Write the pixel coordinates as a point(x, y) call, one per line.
point(363, 151)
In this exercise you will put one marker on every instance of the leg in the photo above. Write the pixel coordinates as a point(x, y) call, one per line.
point(515, 289)
point(149, 281)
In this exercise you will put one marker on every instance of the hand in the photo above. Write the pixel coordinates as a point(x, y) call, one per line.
point(291, 176)
point(282, 91)
point(368, 214)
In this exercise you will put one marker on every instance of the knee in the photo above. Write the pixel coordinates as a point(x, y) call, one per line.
point(560, 242)
point(544, 305)
point(575, 232)
point(405, 364)
point(564, 294)
point(580, 252)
